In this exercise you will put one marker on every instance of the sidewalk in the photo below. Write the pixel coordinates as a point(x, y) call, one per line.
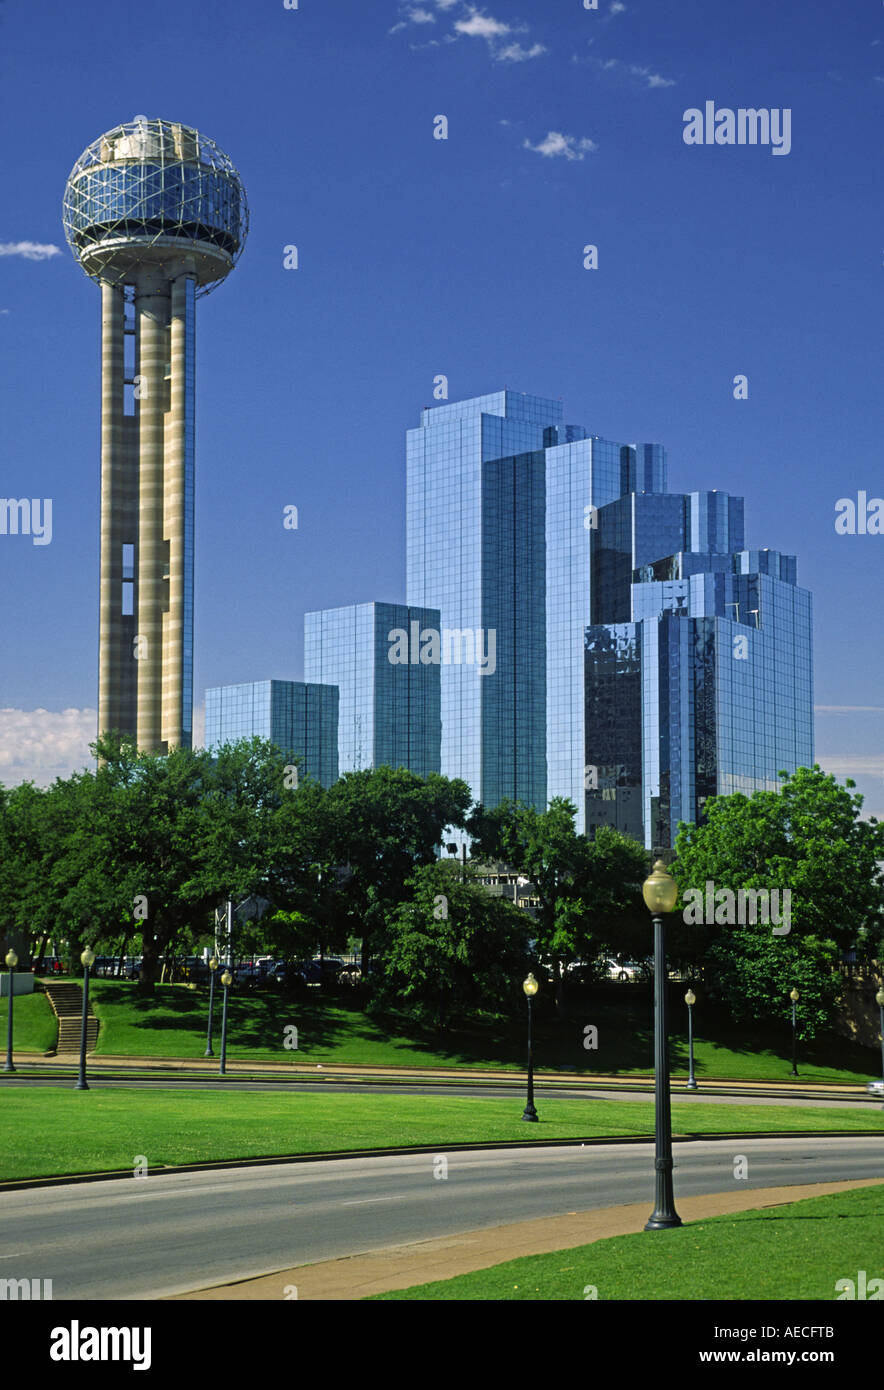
point(402, 1266)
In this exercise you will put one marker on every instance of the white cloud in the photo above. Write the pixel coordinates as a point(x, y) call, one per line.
point(416, 14)
point(617, 7)
point(40, 745)
point(848, 709)
point(3, 311)
point(653, 78)
point(474, 23)
point(852, 764)
point(29, 250)
point(481, 26)
point(555, 143)
point(515, 53)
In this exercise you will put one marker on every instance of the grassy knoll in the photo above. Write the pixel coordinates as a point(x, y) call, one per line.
point(173, 1024)
point(34, 1025)
point(796, 1251)
point(56, 1130)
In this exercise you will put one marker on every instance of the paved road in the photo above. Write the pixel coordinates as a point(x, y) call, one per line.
point(349, 1086)
point(166, 1234)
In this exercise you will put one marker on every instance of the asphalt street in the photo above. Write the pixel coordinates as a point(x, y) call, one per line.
point(147, 1237)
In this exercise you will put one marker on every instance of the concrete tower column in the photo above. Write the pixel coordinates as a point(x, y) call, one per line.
point(111, 715)
point(175, 732)
point(152, 307)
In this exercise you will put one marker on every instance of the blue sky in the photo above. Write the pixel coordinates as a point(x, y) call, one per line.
point(464, 257)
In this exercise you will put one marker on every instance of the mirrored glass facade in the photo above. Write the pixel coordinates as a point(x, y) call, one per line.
point(667, 661)
point(572, 629)
point(300, 718)
point(723, 652)
point(379, 656)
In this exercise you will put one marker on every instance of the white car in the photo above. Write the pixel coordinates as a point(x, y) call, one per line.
point(876, 1088)
point(627, 971)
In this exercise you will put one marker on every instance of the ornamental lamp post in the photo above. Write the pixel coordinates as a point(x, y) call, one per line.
point(879, 1000)
point(530, 988)
point(12, 962)
point(690, 999)
point(660, 892)
point(87, 959)
point(213, 966)
point(794, 996)
point(227, 981)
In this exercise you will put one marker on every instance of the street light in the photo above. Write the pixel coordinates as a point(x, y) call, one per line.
point(213, 966)
point(530, 987)
point(660, 892)
point(227, 981)
point(87, 959)
point(794, 996)
point(879, 1000)
point(690, 999)
point(12, 962)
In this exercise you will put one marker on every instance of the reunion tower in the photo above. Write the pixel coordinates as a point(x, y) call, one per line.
point(157, 214)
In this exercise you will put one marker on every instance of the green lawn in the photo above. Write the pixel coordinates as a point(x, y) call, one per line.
point(797, 1251)
point(34, 1025)
point(56, 1130)
point(173, 1024)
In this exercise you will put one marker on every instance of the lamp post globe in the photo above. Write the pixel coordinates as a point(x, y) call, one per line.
point(660, 892)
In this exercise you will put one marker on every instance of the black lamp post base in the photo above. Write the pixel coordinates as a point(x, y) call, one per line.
point(208, 1052)
point(691, 1086)
point(661, 1222)
point(9, 1067)
point(81, 1086)
point(530, 1113)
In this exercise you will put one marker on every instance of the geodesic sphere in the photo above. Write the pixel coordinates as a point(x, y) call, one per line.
point(155, 195)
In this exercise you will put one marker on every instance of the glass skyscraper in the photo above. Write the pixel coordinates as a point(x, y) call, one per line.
point(645, 658)
point(299, 718)
point(381, 657)
point(572, 628)
point(476, 548)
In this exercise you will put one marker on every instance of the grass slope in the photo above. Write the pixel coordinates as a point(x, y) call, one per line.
point(50, 1131)
point(796, 1251)
point(34, 1025)
point(173, 1024)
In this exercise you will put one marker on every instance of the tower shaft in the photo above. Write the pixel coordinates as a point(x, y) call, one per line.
point(146, 599)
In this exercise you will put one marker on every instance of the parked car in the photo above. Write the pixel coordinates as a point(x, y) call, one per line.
point(876, 1088)
point(624, 970)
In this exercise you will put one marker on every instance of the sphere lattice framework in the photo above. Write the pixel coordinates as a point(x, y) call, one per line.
point(150, 192)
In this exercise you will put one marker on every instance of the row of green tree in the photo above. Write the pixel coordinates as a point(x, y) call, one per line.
point(139, 852)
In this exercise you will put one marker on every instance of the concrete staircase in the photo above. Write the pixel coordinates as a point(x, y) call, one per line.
point(66, 1002)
